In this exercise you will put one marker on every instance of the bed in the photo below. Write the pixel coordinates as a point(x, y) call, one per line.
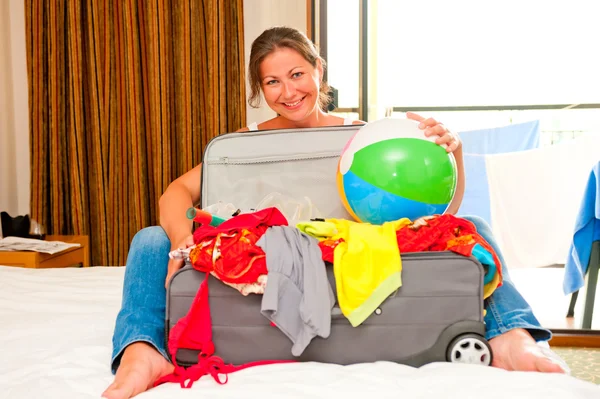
point(55, 339)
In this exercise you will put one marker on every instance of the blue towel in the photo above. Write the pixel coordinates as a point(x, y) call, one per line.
point(477, 144)
point(476, 200)
point(587, 230)
point(499, 140)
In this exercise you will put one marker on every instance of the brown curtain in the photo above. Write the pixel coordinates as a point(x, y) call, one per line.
point(123, 97)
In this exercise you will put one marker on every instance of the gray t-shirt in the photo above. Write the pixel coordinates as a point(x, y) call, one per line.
point(298, 297)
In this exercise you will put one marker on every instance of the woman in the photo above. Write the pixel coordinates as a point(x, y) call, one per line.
point(286, 67)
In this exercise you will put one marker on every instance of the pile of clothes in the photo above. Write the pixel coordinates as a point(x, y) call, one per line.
point(260, 253)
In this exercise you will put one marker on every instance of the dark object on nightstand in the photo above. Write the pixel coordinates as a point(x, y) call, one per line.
point(16, 227)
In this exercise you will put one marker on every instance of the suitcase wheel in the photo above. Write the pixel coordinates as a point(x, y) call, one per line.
point(471, 349)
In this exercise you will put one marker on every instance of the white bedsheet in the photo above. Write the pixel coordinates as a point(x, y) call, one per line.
point(55, 342)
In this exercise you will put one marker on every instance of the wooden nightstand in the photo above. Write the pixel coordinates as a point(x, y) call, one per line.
point(37, 260)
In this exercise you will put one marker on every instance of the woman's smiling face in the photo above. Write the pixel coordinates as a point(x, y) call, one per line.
point(290, 84)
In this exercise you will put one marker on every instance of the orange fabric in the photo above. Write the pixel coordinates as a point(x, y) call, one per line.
point(443, 233)
point(229, 251)
point(327, 247)
point(232, 257)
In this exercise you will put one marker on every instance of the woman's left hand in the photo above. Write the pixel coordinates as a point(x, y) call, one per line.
point(450, 141)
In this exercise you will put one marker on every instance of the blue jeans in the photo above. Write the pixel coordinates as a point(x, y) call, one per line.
point(142, 314)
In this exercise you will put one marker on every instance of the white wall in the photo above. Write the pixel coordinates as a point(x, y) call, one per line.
point(14, 111)
point(260, 15)
point(7, 199)
point(14, 108)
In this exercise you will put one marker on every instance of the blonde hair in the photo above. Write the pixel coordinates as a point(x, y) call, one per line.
point(276, 38)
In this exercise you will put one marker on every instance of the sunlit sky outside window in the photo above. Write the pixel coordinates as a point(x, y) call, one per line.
point(467, 52)
point(343, 50)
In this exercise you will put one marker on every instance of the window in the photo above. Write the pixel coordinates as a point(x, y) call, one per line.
point(472, 63)
point(343, 59)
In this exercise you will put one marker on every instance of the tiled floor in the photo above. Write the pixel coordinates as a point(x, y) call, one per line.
point(542, 288)
point(584, 362)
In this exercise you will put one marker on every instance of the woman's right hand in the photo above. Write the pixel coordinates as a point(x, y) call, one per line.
point(176, 264)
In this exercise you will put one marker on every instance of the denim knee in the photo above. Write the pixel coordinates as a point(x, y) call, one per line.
point(154, 237)
point(483, 228)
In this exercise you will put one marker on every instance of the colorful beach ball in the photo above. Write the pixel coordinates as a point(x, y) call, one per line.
point(390, 170)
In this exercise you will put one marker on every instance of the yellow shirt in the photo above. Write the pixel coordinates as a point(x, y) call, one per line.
point(366, 265)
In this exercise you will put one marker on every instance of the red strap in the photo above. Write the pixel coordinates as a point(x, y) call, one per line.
point(194, 331)
point(211, 365)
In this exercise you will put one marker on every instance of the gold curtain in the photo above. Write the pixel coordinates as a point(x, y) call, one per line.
point(123, 97)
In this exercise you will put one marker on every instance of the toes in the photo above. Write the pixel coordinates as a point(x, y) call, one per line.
point(554, 363)
point(114, 392)
point(551, 365)
point(107, 393)
point(546, 365)
point(122, 388)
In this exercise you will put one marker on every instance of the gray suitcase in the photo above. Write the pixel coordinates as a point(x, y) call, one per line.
point(437, 314)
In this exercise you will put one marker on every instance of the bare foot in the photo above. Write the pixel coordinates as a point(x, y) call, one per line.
point(140, 366)
point(516, 350)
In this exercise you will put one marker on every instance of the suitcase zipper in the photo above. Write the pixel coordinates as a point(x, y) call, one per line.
point(429, 254)
point(272, 159)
